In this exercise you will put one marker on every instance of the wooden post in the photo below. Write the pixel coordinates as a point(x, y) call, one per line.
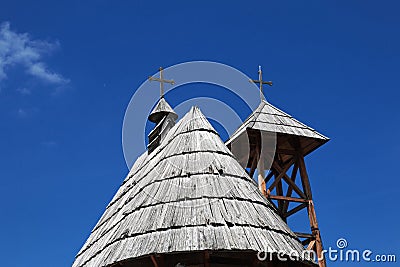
point(206, 258)
point(318, 247)
point(316, 233)
point(153, 259)
point(279, 170)
point(261, 175)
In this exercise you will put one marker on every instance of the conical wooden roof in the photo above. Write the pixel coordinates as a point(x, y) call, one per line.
point(189, 195)
point(160, 110)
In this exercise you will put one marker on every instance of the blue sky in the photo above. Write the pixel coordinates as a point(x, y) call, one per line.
point(69, 68)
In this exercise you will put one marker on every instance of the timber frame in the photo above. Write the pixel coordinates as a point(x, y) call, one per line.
point(279, 185)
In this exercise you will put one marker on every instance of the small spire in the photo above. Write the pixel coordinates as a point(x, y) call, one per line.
point(261, 82)
point(161, 110)
point(161, 80)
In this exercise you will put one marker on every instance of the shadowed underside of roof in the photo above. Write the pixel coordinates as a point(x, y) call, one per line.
point(189, 194)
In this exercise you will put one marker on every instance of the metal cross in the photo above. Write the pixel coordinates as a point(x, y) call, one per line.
point(161, 81)
point(260, 81)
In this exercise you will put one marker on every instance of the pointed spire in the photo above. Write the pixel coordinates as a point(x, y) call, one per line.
point(161, 110)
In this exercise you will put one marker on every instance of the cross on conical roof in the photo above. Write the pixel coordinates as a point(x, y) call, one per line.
point(162, 108)
point(189, 195)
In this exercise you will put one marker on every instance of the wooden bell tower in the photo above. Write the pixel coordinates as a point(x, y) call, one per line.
point(278, 145)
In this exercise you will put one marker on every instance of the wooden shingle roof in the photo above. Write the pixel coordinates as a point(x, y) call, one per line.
point(189, 194)
point(161, 109)
point(270, 119)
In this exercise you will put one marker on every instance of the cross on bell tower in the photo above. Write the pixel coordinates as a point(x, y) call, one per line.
point(286, 183)
point(162, 115)
point(161, 80)
point(261, 82)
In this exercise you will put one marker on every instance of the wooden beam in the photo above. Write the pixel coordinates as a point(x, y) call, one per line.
point(296, 209)
point(315, 230)
point(315, 244)
point(294, 186)
point(311, 245)
point(253, 164)
point(304, 235)
point(281, 172)
point(261, 173)
point(153, 259)
point(269, 176)
point(306, 241)
point(206, 258)
point(290, 189)
point(288, 180)
point(286, 151)
point(290, 199)
point(279, 191)
point(304, 177)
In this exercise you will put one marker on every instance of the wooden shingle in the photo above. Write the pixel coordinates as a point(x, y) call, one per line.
point(189, 194)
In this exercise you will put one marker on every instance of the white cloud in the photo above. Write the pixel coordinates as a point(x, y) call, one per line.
point(18, 49)
point(39, 70)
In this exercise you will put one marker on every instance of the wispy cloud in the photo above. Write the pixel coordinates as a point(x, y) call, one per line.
point(19, 49)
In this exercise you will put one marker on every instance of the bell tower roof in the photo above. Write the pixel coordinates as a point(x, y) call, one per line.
point(161, 110)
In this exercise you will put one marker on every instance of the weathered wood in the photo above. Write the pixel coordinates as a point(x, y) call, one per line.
point(160, 110)
point(279, 191)
point(206, 258)
point(290, 188)
point(286, 151)
point(295, 209)
point(304, 235)
point(311, 245)
point(306, 241)
point(269, 176)
point(260, 173)
point(153, 259)
point(304, 177)
point(268, 118)
point(187, 196)
point(253, 164)
point(290, 199)
point(281, 173)
point(294, 141)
